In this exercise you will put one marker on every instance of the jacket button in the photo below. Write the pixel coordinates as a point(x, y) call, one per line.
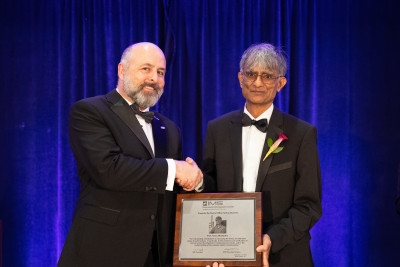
point(152, 217)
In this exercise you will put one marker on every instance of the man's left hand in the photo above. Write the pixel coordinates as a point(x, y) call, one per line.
point(215, 264)
point(265, 248)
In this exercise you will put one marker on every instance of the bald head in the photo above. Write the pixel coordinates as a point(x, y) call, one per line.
point(143, 49)
point(141, 74)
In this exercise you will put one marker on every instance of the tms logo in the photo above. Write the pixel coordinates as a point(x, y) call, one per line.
point(213, 203)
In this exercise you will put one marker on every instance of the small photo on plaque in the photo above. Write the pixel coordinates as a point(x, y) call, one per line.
point(218, 226)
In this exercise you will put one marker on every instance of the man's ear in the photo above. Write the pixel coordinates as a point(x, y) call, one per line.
point(281, 84)
point(121, 71)
point(240, 78)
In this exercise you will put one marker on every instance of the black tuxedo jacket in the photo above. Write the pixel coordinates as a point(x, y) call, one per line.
point(123, 198)
point(290, 181)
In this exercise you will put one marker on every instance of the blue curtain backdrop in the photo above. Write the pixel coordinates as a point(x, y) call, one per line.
point(343, 77)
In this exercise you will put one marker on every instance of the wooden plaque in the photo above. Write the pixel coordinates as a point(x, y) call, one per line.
point(220, 227)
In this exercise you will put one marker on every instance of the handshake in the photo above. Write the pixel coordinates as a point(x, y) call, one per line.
point(188, 175)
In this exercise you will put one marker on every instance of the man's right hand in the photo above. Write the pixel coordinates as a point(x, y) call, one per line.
point(188, 175)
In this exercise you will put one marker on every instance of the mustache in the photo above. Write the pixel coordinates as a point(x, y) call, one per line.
point(152, 85)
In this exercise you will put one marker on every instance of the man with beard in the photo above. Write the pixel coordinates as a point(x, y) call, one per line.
point(129, 166)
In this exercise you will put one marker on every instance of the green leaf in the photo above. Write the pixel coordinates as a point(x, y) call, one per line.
point(279, 149)
point(270, 142)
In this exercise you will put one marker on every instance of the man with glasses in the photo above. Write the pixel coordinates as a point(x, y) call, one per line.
point(261, 149)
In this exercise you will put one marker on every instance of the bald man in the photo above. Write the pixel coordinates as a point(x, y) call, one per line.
point(129, 166)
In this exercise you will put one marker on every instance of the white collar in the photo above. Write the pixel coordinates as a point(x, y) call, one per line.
point(265, 115)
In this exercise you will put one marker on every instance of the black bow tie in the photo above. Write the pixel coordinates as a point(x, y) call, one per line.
point(261, 125)
point(147, 115)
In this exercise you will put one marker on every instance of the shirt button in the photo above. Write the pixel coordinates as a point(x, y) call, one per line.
point(152, 217)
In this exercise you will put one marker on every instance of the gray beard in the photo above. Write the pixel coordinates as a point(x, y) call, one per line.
point(143, 99)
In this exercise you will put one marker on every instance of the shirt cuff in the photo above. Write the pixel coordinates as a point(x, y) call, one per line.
point(199, 188)
point(171, 175)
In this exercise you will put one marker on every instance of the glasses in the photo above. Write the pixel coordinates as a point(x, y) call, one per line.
point(265, 77)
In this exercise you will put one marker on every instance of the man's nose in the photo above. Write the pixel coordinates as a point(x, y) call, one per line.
point(258, 82)
point(153, 76)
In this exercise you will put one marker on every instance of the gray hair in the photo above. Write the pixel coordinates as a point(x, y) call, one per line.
point(264, 55)
point(127, 56)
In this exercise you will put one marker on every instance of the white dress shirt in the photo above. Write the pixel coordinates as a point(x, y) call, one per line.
point(148, 130)
point(253, 141)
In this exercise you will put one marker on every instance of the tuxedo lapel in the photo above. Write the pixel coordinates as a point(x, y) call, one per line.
point(160, 137)
point(236, 145)
point(274, 129)
point(122, 109)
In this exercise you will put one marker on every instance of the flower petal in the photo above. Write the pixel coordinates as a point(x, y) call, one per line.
point(282, 136)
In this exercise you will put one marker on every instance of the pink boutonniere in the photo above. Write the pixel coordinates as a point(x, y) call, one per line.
point(275, 148)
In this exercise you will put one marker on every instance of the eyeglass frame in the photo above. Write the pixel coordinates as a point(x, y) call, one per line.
point(244, 73)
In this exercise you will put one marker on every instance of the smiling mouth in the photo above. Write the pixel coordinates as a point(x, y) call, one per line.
point(148, 88)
